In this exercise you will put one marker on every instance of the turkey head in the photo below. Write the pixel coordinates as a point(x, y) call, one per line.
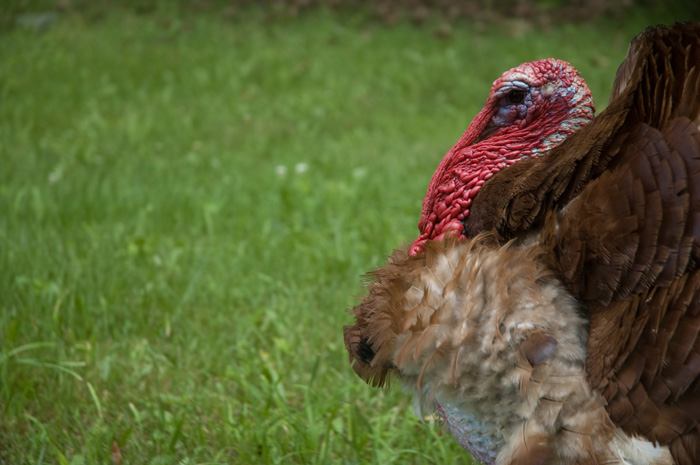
point(531, 109)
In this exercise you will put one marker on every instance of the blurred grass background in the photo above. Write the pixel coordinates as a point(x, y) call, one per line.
point(190, 192)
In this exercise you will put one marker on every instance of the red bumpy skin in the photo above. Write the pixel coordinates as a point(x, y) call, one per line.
point(531, 109)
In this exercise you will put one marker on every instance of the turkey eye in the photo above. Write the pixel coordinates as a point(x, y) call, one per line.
point(516, 97)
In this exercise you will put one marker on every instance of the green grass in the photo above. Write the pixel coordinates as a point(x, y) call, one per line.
point(168, 293)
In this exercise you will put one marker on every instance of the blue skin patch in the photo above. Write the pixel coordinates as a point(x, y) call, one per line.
point(517, 98)
point(570, 124)
point(509, 112)
point(483, 441)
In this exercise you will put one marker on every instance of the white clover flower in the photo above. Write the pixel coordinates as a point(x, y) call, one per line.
point(301, 168)
point(281, 171)
point(55, 176)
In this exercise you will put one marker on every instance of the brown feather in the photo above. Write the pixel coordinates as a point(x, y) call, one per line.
point(614, 213)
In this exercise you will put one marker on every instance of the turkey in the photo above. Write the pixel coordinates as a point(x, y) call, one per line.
point(549, 310)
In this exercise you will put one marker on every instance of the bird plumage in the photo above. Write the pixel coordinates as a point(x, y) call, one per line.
point(581, 265)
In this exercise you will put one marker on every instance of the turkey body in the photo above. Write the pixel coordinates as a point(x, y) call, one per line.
point(550, 309)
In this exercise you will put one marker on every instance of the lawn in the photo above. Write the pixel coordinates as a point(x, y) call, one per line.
point(188, 201)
